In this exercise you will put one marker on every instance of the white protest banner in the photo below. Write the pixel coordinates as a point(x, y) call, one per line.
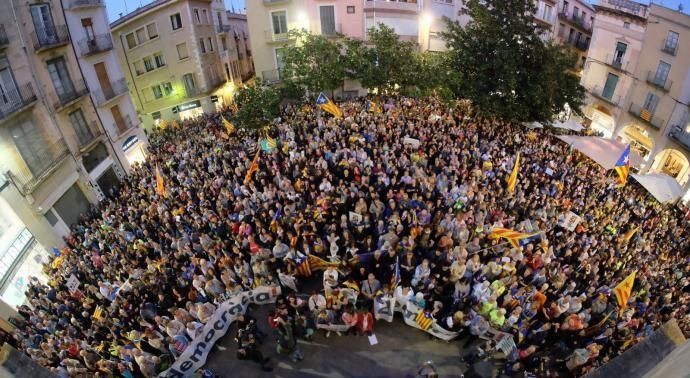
point(411, 142)
point(194, 357)
point(384, 306)
point(72, 284)
point(569, 220)
point(410, 312)
point(355, 218)
point(505, 343)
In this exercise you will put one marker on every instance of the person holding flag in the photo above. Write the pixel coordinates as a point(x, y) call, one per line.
point(160, 185)
point(328, 105)
point(622, 167)
point(253, 167)
point(512, 179)
point(623, 290)
point(229, 127)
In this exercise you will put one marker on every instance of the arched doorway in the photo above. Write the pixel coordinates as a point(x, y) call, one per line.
point(673, 163)
point(639, 139)
point(602, 120)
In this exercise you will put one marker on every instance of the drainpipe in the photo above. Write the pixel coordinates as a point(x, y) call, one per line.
point(81, 72)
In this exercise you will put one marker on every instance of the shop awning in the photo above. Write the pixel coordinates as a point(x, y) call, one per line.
point(568, 125)
point(660, 185)
point(603, 151)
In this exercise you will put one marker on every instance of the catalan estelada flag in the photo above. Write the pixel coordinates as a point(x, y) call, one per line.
point(253, 167)
point(622, 167)
point(395, 278)
point(424, 320)
point(302, 267)
point(326, 104)
point(516, 239)
point(622, 290)
point(373, 107)
point(512, 179)
point(229, 127)
point(160, 185)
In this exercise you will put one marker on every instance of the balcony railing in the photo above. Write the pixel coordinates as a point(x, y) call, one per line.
point(630, 7)
point(660, 82)
point(4, 40)
point(125, 126)
point(646, 115)
point(275, 37)
point(14, 100)
point(47, 161)
point(408, 6)
point(223, 28)
point(670, 48)
point(611, 98)
point(272, 2)
point(103, 95)
point(74, 4)
point(46, 38)
point(95, 45)
point(86, 139)
point(616, 62)
point(272, 76)
point(681, 135)
point(71, 92)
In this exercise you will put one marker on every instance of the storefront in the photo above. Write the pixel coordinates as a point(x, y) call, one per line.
point(190, 110)
point(134, 150)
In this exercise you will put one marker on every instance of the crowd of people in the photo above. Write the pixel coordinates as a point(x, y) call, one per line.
point(153, 267)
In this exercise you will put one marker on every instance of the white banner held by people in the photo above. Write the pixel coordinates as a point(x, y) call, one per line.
point(384, 306)
point(72, 284)
point(194, 357)
point(569, 220)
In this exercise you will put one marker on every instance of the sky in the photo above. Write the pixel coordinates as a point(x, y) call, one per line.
point(115, 7)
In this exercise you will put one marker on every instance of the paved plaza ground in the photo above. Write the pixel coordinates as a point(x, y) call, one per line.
point(399, 352)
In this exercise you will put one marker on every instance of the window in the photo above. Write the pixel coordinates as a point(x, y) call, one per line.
point(160, 61)
point(651, 102)
point(131, 40)
point(152, 30)
point(224, 43)
point(610, 86)
point(210, 44)
point(197, 17)
point(182, 51)
point(547, 12)
point(204, 16)
point(662, 73)
point(188, 81)
point(141, 35)
point(350, 9)
point(220, 18)
point(279, 20)
point(671, 42)
point(565, 7)
point(626, 25)
point(87, 24)
point(139, 67)
point(167, 88)
point(327, 13)
point(280, 52)
point(202, 45)
point(156, 115)
point(620, 52)
point(176, 21)
point(148, 64)
point(60, 77)
point(576, 12)
point(81, 128)
point(43, 23)
point(157, 92)
point(8, 88)
point(32, 146)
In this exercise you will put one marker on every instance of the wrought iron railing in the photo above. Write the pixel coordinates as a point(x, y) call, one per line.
point(47, 160)
point(95, 45)
point(103, 95)
point(70, 92)
point(659, 81)
point(13, 100)
point(45, 38)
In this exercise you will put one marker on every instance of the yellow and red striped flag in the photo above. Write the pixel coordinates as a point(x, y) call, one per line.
point(424, 320)
point(512, 179)
point(628, 235)
point(623, 289)
point(253, 167)
point(229, 127)
point(515, 238)
point(98, 313)
point(160, 185)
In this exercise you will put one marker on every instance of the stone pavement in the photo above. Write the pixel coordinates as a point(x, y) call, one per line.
point(399, 353)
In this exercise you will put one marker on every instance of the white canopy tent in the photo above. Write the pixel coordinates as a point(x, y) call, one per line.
point(660, 185)
point(603, 151)
point(568, 125)
point(533, 125)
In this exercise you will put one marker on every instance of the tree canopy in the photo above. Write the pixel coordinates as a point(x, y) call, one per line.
point(258, 105)
point(314, 62)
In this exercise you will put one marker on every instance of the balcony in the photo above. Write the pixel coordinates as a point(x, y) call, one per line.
point(272, 76)
point(4, 40)
point(576, 20)
point(631, 8)
point(223, 28)
point(89, 137)
point(580, 44)
point(71, 92)
point(78, 4)
point(276, 37)
point(214, 81)
point(95, 45)
point(659, 82)
point(103, 95)
point(670, 47)
point(46, 161)
point(49, 38)
point(616, 62)
point(645, 115)
point(15, 100)
point(392, 6)
point(598, 92)
point(680, 135)
point(125, 126)
point(275, 2)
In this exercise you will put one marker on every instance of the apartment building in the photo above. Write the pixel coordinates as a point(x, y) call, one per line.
point(87, 22)
point(236, 50)
point(56, 156)
point(637, 80)
point(169, 53)
point(575, 19)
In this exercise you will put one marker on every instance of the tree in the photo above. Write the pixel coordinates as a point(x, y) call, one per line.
point(503, 66)
point(384, 62)
point(258, 105)
point(314, 62)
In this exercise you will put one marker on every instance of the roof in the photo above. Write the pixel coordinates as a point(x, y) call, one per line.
point(138, 12)
point(241, 16)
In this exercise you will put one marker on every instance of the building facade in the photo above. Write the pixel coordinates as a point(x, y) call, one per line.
point(170, 55)
point(575, 20)
point(638, 84)
point(58, 155)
